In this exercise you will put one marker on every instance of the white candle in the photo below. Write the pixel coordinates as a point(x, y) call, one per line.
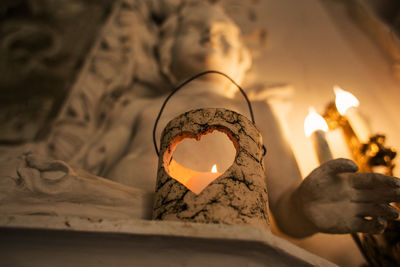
point(315, 127)
point(358, 124)
point(336, 140)
point(346, 104)
point(197, 183)
point(201, 180)
point(321, 146)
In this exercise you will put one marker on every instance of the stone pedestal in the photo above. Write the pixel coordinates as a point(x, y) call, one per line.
point(71, 241)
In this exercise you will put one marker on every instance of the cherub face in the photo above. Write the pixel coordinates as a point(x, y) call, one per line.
point(205, 41)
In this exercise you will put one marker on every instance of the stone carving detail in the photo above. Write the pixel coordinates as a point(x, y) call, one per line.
point(105, 128)
point(43, 43)
point(52, 187)
point(31, 46)
point(238, 196)
point(111, 70)
point(114, 69)
point(101, 111)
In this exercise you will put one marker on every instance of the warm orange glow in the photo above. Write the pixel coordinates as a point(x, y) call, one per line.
point(214, 168)
point(314, 122)
point(195, 181)
point(344, 100)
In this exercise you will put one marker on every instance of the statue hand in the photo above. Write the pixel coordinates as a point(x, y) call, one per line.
point(45, 176)
point(334, 198)
point(54, 186)
point(58, 179)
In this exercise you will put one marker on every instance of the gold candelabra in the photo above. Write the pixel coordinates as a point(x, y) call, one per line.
point(382, 249)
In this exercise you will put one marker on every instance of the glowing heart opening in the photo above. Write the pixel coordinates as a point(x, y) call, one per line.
point(196, 160)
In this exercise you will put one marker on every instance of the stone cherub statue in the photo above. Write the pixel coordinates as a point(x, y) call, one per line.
point(199, 36)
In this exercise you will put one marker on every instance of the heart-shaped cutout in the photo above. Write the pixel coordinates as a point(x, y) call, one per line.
point(196, 157)
point(195, 181)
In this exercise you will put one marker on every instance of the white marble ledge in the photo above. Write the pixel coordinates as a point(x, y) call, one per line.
point(71, 241)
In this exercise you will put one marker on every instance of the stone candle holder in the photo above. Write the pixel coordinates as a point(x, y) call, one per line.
point(237, 196)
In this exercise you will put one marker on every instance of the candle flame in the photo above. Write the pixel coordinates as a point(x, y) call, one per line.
point(314, 122)
point(214, 168)
point(344, 100)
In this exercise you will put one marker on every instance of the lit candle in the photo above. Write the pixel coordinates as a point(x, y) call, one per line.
point(346, 104)
point(315, 127)
point(337, 142)
point(198, 182)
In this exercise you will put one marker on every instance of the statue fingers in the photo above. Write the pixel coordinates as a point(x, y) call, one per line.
point(373, 181)
point(339, 166)
point(27, 177)
point(377, 210)
point(375, 225)
point(43, 164)
point(377, 195)
point(25, 173)
point(37, 161)
point(22, 163)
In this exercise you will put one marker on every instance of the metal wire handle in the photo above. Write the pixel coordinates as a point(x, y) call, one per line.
point(188, 81)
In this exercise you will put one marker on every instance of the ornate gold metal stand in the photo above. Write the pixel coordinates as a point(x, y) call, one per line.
point(382, 249)
point(335, 121)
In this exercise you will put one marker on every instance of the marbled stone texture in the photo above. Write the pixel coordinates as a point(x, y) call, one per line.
point(238, 196)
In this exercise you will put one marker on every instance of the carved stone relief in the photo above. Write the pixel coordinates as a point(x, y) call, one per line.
point(105, 127)
point(109, 103)
point(43, 44)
